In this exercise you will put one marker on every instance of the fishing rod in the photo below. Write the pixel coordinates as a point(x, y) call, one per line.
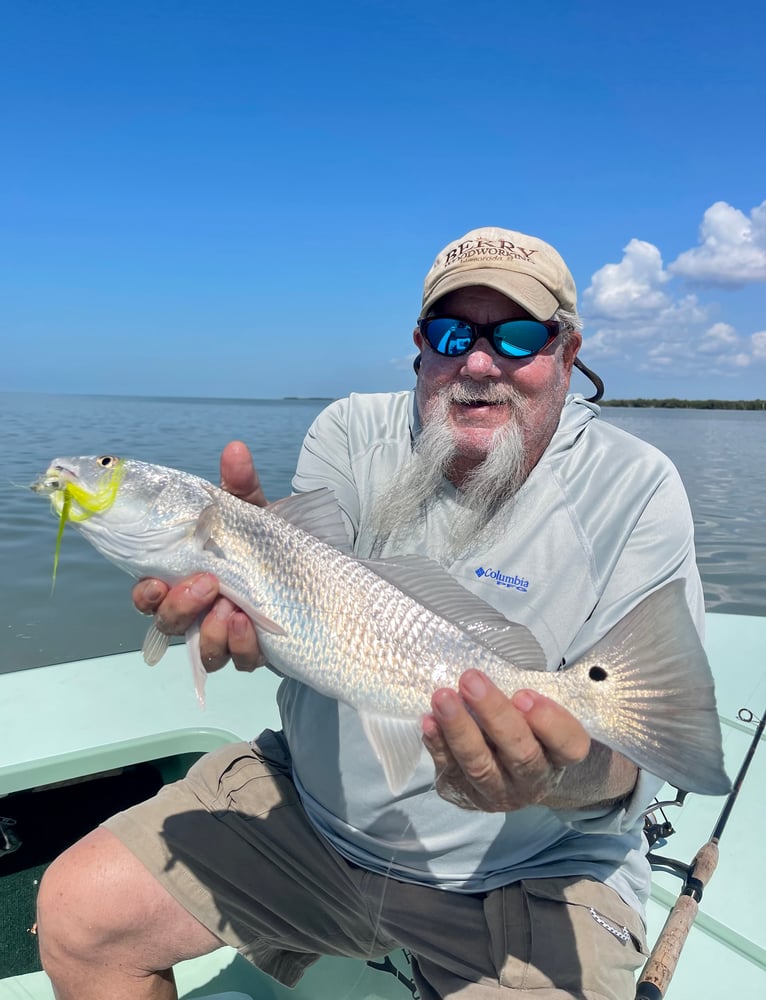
point(663, 960)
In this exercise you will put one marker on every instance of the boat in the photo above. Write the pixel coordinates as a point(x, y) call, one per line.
point(82, 739)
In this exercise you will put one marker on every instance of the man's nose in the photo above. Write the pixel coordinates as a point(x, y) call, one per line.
point(481, 361)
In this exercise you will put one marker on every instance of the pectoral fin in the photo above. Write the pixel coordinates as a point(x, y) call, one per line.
point(199, 674)
point(155, 645)
point(261, 622)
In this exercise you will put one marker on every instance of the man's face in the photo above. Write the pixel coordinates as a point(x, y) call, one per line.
point(541, 380)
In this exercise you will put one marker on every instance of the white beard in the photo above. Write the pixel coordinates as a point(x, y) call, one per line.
point(489, 489)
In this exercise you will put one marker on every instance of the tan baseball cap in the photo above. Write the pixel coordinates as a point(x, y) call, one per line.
point(524, 268)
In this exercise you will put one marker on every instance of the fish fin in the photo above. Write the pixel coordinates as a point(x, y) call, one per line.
point(204, 531)
point(432, 586)
point(155, 645)
point(199, 674)
point(397, 744)
point(261, 622)
point(652, 678)
point(318, 513)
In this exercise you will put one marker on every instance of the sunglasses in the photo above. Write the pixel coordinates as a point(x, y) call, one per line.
point(511, 338)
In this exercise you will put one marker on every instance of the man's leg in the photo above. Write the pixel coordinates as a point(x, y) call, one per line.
point(107, 928)
point(564, 938)
point(228, 848)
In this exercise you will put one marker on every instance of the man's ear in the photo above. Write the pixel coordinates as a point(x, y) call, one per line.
point(572, 346)
point(417, 337)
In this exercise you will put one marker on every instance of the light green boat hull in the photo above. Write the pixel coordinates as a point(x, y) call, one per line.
point(83, 718)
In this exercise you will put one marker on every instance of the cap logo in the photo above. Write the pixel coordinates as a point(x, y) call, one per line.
point(470, 249)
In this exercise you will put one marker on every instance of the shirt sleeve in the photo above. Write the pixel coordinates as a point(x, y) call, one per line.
point(325, 460)
point(658, 548)
point(618, 819)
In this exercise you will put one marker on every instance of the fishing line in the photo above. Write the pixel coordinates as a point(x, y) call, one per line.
point(387, 965)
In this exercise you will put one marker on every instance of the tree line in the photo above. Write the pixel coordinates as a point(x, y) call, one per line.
point(690, 404)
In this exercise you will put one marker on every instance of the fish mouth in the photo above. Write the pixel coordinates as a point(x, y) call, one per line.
point(53, 480)
point(72, 500)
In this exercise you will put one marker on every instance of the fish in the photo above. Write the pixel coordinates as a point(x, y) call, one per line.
point(382, 635)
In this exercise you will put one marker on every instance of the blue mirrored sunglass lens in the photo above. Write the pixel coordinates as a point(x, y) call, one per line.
point(448, 336)
point(520, 338)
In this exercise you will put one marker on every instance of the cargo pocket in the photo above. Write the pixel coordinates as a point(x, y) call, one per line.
point(570, 933)
point(251, 777)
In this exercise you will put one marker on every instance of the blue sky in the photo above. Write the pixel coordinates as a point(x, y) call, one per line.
point(232, 198)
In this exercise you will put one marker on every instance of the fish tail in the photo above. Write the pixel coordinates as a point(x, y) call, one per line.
point(652, 697)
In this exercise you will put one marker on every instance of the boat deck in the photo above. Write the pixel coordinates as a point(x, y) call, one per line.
point(74, 720)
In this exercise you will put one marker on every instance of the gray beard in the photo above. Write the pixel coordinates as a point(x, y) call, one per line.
point(489, 489)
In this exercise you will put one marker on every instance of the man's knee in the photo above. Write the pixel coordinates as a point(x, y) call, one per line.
point(84, 899)
point(98, 898)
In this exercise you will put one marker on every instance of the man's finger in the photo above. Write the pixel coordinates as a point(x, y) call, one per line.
point(239, 476)
point(504, 725)
point(466, 741)
point(148, 595)
point(533, 734)
point(565, 740)
point(184, 603)
point(214, 635)
point(243, 643)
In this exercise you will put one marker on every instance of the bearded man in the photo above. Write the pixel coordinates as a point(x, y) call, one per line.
point(293, 846)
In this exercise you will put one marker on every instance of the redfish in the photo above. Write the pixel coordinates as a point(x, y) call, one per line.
point(383, 635)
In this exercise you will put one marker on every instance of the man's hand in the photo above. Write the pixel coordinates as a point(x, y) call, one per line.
point(499, 754)
point(225, 631)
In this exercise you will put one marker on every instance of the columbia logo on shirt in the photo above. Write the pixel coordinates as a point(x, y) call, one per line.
point(503, 579)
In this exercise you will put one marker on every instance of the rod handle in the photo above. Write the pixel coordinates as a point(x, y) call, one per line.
point(663, 960)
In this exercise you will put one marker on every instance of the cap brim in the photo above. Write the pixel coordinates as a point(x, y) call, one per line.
point(522, 288)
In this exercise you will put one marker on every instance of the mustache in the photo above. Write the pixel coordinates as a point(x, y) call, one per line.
point(490, 392)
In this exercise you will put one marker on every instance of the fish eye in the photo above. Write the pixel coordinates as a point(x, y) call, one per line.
point(597, 674)
point(106, 461)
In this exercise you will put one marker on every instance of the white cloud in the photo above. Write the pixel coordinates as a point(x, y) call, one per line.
point(731, 251)
point(631, 287)
point(640, 319)
point(758, 341)
point(667, 331)
point(718, 338)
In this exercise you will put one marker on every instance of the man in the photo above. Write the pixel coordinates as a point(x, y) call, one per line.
point(294, 847)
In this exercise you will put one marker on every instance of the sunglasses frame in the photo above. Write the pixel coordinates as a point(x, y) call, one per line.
point(487, 330)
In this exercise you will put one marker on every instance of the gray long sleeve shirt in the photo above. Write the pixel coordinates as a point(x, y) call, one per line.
point(602, 521)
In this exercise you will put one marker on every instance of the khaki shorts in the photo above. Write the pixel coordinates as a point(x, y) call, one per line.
point(231, 842)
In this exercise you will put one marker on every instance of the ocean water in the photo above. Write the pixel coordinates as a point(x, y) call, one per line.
point(721, 456)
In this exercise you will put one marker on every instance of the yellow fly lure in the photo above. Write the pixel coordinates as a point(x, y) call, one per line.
point(87, 504)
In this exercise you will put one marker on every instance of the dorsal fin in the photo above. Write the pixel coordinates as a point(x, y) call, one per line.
point(432, 586)
point(318, 513)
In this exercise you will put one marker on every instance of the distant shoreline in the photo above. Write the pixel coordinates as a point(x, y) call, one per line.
point(639, 403)
point(688, 404)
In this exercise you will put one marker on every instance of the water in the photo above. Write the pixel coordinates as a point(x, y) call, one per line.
point(90, 612)
point(720, 455)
